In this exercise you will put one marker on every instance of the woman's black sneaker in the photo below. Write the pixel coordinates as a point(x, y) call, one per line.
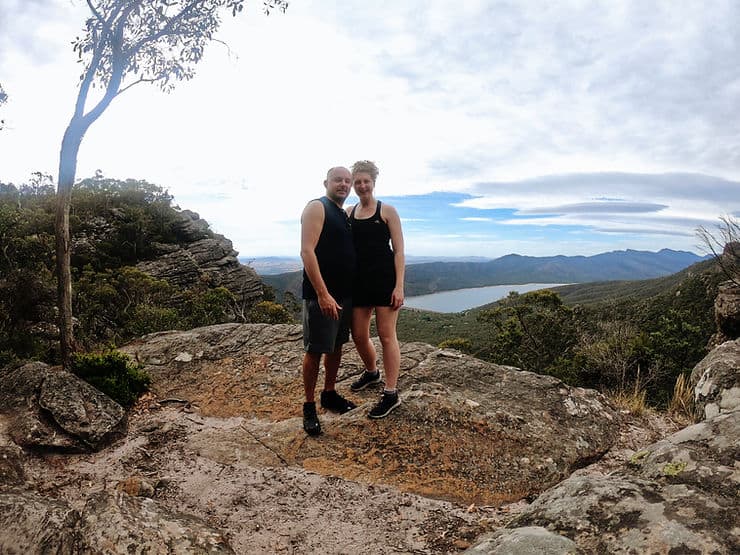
point(333, 401)
point(383, 408)
point(311, 423)
point(366, 379)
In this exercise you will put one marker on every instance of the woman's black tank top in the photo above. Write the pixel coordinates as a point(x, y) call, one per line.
point(372, 242)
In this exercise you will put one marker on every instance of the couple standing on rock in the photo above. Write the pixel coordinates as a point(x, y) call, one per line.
point(353, 263)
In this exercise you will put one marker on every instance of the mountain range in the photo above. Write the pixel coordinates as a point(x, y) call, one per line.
point(433, 277)
point(270, 265)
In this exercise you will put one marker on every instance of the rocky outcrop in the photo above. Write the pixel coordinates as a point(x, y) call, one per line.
point(108, 523)
point(206, 258)
point(55, 410)
point(217, 460)
point(716, 381)
point(528, 540)
point(133, 524)
point(466, 428)
point(678, 495)
point(34, 523)
point(727, 311)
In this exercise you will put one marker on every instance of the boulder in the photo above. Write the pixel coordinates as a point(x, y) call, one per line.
point(678, 495)
point(128, 524)
point(108, 523)
point(527, 540)
point(32, 523)
point(52, 409)
point(11, 467)
point(727, 310)
point(716, 381)
point(627, 514)
point(704, 456)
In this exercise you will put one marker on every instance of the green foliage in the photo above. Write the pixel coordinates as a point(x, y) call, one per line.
point(120, 303)
point(26, 299)
point(115, 224)
point(203, 307)
point(459, 343)
point(534, 331)
point(269, 312)
point(113, 373)
point(130, 216)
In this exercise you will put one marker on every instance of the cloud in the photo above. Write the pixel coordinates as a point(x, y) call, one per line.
point(550, 126)
point(599, 207)
point(669, 187)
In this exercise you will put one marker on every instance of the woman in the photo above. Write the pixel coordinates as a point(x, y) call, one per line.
point(378, 285)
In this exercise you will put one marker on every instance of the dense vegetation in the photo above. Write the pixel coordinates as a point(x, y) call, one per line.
point(623, 337)
point(114, 225)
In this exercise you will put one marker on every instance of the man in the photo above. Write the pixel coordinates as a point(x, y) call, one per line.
point(328, 266)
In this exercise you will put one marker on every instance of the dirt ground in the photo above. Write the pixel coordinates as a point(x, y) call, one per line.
point(206, 446)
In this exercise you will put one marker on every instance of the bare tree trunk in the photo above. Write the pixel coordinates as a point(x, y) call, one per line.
point(67, 170)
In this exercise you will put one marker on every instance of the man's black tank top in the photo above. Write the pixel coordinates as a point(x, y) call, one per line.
point(335, 252)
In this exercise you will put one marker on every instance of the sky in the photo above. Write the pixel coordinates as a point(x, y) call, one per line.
point(529, 127)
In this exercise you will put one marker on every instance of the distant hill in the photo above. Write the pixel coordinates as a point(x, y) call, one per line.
point(615, 291)
point(272, 265)
point(515, 269)
point(432, 277)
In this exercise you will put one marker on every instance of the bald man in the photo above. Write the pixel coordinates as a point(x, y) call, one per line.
point(328, 267)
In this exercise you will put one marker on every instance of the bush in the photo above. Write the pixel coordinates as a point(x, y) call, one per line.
point(459, 343)
point(149, 319)
point(113, 373)
point(268, 312)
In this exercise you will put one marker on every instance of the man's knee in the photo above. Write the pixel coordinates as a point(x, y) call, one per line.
point(311, 360)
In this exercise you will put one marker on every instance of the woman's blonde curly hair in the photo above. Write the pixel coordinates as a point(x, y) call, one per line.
point(366, 166)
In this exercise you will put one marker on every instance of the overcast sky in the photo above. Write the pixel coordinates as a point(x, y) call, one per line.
point(533, 127)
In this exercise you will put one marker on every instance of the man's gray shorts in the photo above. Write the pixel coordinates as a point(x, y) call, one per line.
point(322, 334)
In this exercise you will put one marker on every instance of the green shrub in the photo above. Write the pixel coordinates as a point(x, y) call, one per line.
point(205, 307)
point(269, 312)
point(113, 373)
point(149, 319)
point(459, 343)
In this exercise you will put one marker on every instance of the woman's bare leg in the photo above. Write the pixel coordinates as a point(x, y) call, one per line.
point(385, 320)
point(361, 316)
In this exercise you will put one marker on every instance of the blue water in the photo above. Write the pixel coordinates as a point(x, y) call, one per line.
point(463, 299)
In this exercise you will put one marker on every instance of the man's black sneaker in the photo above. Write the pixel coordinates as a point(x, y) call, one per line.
point(333, 401)
point(311, 420)
point(366, 379)
point(383, 408)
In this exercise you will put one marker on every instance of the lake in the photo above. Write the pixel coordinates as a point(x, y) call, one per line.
point(463, 299)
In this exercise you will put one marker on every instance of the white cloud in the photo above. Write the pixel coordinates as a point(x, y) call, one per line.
point(477, 96)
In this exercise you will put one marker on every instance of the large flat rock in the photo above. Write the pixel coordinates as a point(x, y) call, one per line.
point(467, 430)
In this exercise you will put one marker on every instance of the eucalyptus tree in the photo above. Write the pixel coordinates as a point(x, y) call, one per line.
point(125, 43)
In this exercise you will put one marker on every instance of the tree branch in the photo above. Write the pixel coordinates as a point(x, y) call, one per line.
point(140, 80)
point(166, 30)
